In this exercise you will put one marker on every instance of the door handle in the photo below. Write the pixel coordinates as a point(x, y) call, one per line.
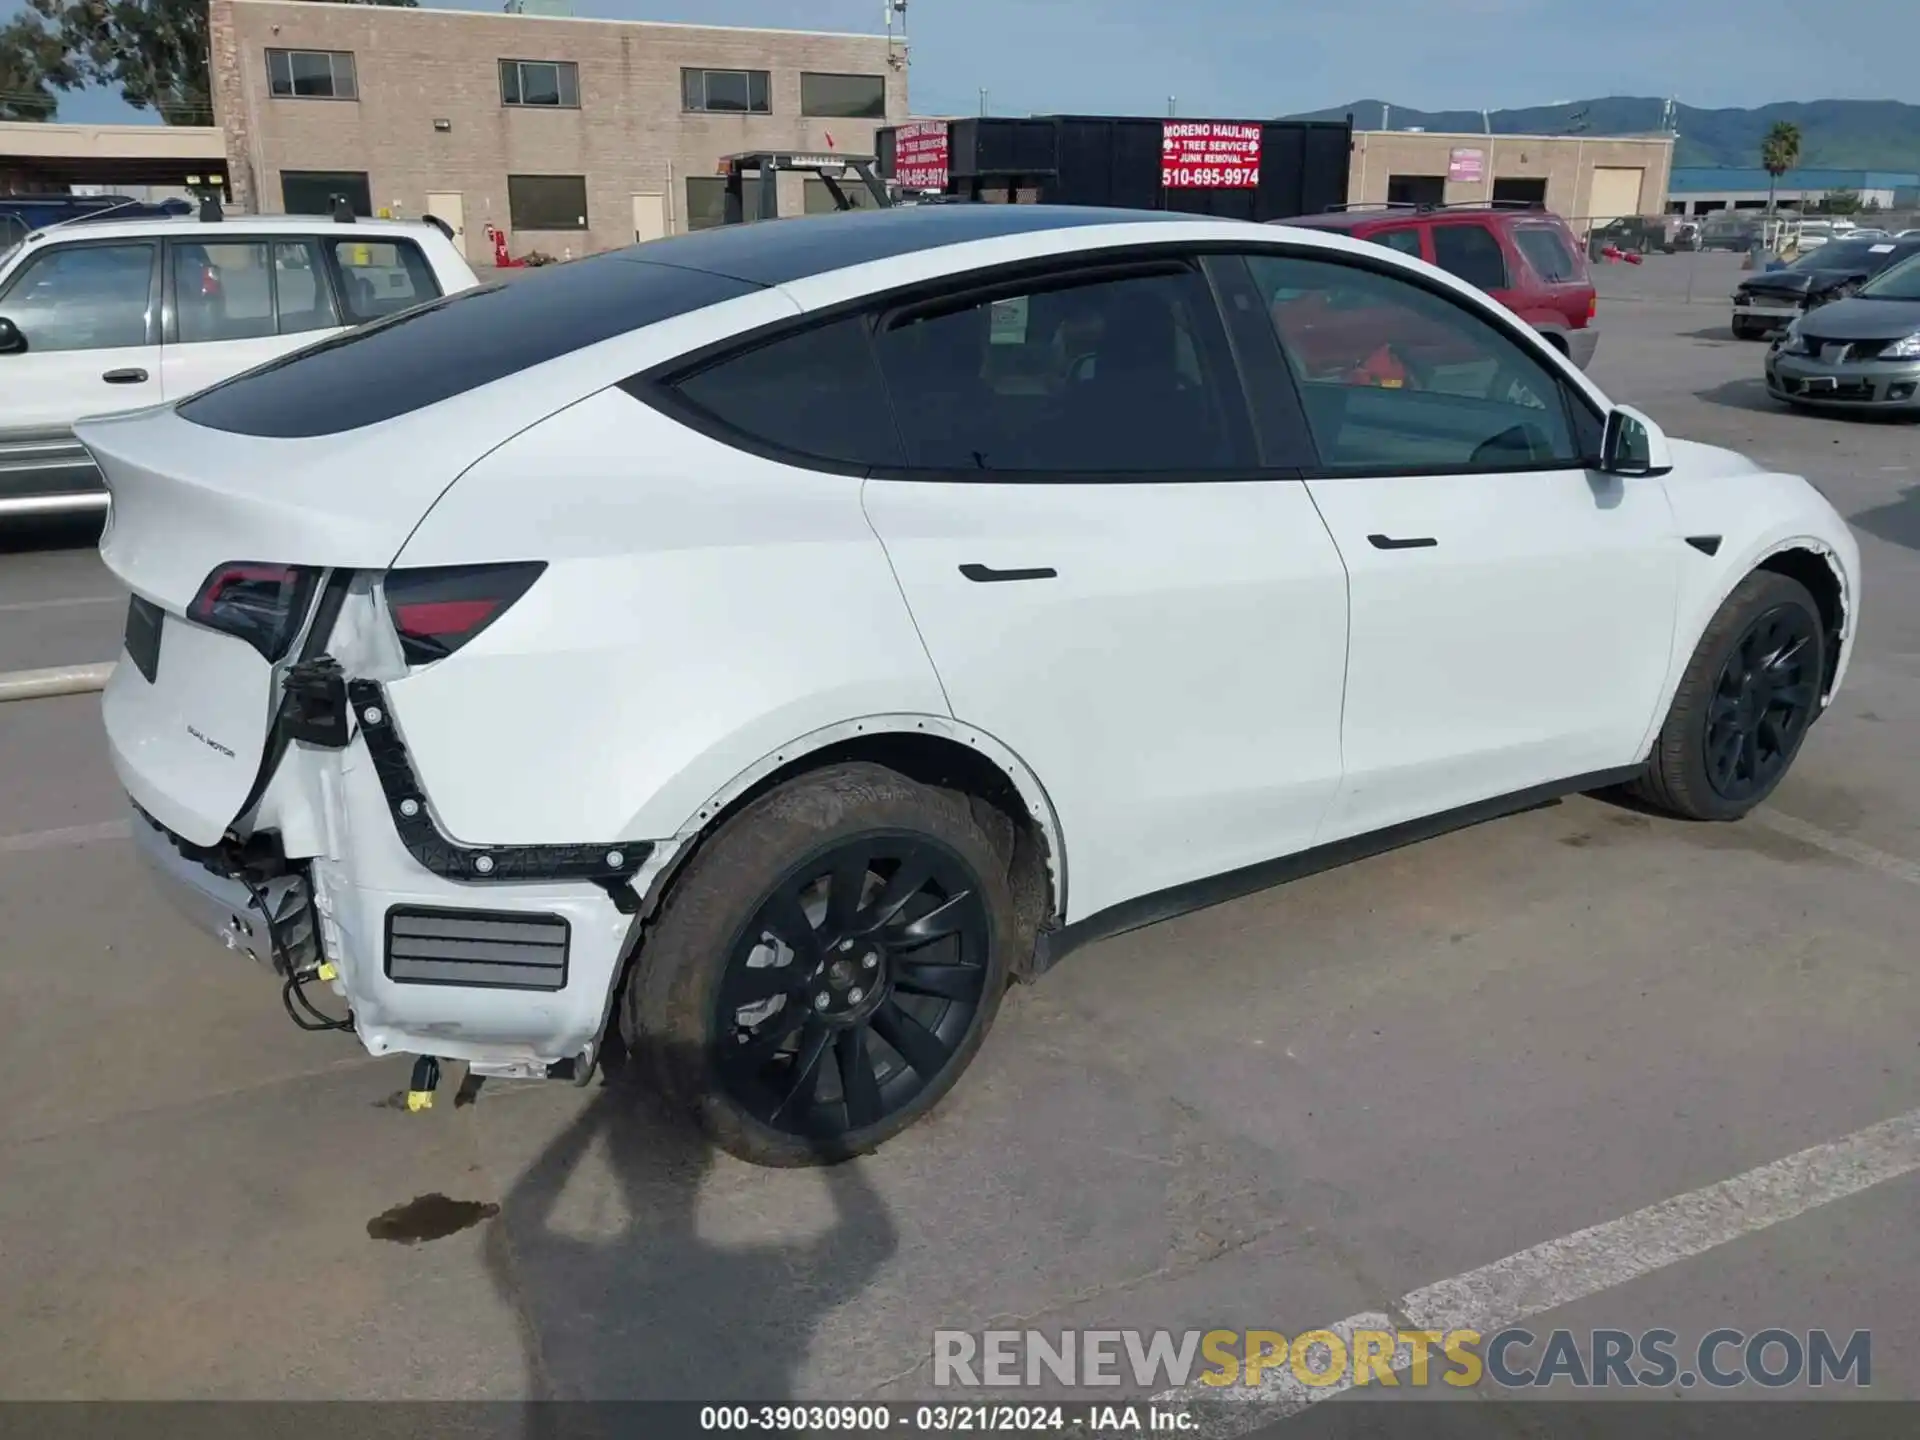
point(1412, 542)
point(125, 377)
point(986, 575)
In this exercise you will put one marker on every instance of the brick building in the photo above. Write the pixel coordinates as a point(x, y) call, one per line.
point(1586, 178)
point(572, 135)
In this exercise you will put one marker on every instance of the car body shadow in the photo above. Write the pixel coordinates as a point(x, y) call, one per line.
point(1745, 395)
point(1897, 523)
point(648, 1308)
point(1723, 332)
point(49, 532)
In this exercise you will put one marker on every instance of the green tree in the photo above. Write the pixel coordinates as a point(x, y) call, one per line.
point(1840, 202)
point(154, 52)
point(1779, 153)
point(33, 65)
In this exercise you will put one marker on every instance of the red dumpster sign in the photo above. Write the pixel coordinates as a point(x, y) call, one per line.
point(920, 156)
point(1209, 155)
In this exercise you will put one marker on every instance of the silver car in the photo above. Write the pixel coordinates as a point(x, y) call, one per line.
point(1861, 353)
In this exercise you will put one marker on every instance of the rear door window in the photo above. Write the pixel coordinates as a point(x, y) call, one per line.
point(1471, 252)
point(381, 277)
point(221, 290)
point(306, 297)
point(1121, 373)
point(1547, 251)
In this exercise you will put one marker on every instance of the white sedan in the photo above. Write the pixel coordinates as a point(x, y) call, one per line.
point(114, 314)
point(773, 640)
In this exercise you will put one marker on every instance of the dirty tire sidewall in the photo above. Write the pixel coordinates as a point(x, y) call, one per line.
point(670, 999)
point(1675, 779)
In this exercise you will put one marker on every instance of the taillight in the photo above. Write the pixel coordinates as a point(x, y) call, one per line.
point(261, 604)
point(1593, 306)
point(438, 609)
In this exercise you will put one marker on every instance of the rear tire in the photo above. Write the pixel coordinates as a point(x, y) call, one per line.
point(1743, 706)
point(1744, 329)
point(826, 967)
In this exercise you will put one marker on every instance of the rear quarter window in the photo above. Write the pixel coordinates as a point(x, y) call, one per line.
point(1548, 252)
point(815, 394)
point(435, 351)
point(381, 277)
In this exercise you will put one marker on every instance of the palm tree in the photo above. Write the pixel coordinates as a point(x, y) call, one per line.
point(1779, 153)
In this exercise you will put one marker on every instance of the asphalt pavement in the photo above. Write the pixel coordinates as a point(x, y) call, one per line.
point(1412, 1086)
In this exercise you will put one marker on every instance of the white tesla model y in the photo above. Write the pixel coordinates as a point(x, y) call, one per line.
point(773, 640)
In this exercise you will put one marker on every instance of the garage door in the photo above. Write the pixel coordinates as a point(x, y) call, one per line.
point(1615, 192)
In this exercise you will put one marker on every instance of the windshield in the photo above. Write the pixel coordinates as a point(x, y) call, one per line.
point(1902, 282)
point(1840, 255)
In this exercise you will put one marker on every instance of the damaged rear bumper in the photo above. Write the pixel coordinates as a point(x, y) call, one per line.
point(265, 916)
point(504, 957)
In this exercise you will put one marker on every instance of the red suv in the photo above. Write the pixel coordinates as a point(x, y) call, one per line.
point(1527, 259)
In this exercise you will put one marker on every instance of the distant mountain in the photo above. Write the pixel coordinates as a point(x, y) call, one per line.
point(1835, 134)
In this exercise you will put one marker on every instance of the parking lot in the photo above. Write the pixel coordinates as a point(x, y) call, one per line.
point(1318, 1103)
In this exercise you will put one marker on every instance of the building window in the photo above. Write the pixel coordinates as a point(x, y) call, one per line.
point(734, 92)
point(552, 83)
point(547, 202)
point(312, 74)
point(1520, 192)
point(312, 192)
point(707, 201)
point(839, 97)
point(817, 199)
point(1416, 189)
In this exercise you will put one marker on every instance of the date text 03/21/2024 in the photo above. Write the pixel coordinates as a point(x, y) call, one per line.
point(944, 1419)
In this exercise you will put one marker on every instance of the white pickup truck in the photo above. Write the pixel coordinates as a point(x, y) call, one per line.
point(106, 315)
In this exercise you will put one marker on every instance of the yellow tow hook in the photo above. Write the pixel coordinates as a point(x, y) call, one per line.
point(426, 1079)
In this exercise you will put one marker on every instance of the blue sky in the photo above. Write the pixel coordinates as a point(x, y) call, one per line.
point(1271, 57)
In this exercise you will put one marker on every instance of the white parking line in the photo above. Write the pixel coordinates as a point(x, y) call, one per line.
point(64, 839)
point(14, 606)
point(1840, 845)
point(1598, 1258)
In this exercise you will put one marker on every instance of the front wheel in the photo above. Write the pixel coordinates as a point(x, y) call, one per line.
point(827, 966)
point(1744, 704)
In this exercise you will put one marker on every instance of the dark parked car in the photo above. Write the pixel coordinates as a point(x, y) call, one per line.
point(1859, 353)
point(1730, 231)
point(1630, 235)
point(1527, 259)
point(1769, 300)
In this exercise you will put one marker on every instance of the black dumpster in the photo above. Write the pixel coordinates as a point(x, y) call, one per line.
point(1239, 169)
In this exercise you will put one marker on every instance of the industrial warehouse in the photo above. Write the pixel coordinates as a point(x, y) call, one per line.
point(551, 134)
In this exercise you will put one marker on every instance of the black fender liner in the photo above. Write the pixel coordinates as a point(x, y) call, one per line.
point(609, 865)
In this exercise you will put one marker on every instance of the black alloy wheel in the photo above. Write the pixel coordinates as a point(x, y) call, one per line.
point(854, 985)
point(1747, 698)
point(1761, 703)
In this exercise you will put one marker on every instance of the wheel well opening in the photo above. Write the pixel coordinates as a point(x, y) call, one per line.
point(950, 765)
point(1813, 571)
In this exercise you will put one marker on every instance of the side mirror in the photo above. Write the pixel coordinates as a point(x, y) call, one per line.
point(12, 342)
point(1633, 445)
